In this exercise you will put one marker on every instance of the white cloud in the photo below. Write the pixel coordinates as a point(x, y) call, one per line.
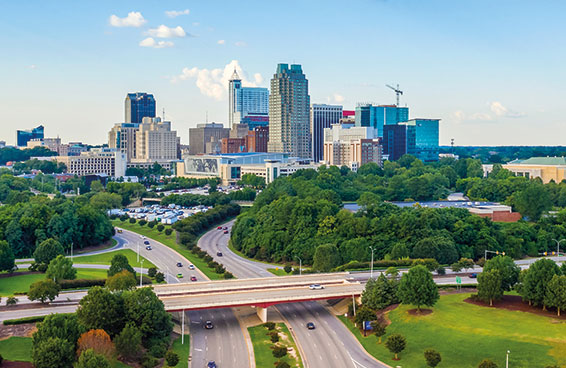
point(241, 44)
point(32, 66)
point(214, 82)
point(221, 42)
point(134, 19)
point(338, 98)
point(166, 32)
point(176, 13)
point(499, 110)
point(150, 42)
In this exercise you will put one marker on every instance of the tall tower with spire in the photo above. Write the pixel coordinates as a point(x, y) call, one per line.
point(234, 99)
point(248, 107)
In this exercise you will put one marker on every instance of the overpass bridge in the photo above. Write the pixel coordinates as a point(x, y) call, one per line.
point(259, 293)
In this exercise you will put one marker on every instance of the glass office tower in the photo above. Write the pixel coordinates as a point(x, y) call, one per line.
point(138, 106)
point(376, 117)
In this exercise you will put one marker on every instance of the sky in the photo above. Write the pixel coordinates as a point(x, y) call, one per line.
point(492, 71)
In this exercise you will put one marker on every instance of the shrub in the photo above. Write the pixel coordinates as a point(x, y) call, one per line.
point(396, 343)
point(151, 271)
point(219, 269)
point(142, 222)
point(168, 231)
point(158, 350)
point(441, 271)
point(282, 365)
point(432, 357)
point(486, 363)
point(151, 224)
point(171, 358)
point(279, 351)
point(228, 275)
point(160, 227)
point(159, 277)
point(42, 267)
point(23, 320)
point(149, 362)
point(11, 300)
point(132, 220)
point(269, 325)
point(124, 217)
point(80, 283)
point(288, 268)
point(207, 258)
point(274, 336)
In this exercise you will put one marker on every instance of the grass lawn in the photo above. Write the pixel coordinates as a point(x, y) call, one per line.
point(262, 346)
point(20, 283)
point(171, 242)
point(16, 349)
point(105, 258)
point(278, 272)
point(465, 334)
point(182, 351)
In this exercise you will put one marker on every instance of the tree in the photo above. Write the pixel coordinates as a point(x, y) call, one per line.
point(486, 363)
point(118, 263)
point(396, 343)
point(160, 277)
point(11, 300)
point(379, 293)
point(128, 342)
point(106, 201)
point(418, 288)
point(101, 309)
point(432, 357)
point(97, 340)
point(7, 258)
point(490, 286)
point(507, 268)
point(152, 271)
point(556, 293)
point(536, 280)
point(326, 257)
point(145, 309)
point(123, 280)
point(90, 359)
point(282, 365)
point(61, 268)
point(48, 250)
point(379, 329)
point(172, 358)
point(53, 352)
point(44, 290)
point(364, 314)
point(532, 201)
point(279, 351)
point(288, 268)
point(399, 251)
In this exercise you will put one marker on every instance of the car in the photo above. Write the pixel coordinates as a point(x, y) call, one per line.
point(191, 267)
point(310, 326)
point(316, 287)
point(179, 275)
point(208, 325)
point(193, 278)
point(211, 364)
point(179, 264)
point(119, 231)
point(226, 231)
point(146, 242)
point(219, 254)
point(473, 275)
point(225, 228)
point(219, 228)
point(148, 247)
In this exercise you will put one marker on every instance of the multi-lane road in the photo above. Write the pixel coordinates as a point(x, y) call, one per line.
point(330, 344)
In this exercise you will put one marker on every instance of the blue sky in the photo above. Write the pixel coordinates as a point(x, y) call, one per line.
point(493, 71)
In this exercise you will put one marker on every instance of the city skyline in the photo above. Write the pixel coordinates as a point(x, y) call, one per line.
point(490, 72)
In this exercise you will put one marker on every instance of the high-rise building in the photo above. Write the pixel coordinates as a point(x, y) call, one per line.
point(210, 134)
point(233, 145)
point(351, 146)
point(256, 140)
point(104, 161)
point(422, 138)
point(122, 137)
point(322, 116)
point(138, 106)
point(394, 141)
point(244, 102)
point(289, 112)
point(23, 136)
point(155, 142)
point(368, 115)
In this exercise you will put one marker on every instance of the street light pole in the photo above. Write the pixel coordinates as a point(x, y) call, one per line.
point(507, 359)
point(138, 250)
point(558, 245)
point(141, 272)
point(371, 269)
point(300, 265)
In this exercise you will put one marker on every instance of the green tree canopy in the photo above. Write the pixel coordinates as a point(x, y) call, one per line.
point(379, 293)
point(90, 359)
point(61, 268)
point(128, 342)
point(123, 280)
point(44, 290)
point(145, 309)
point(118, 263)
point(418, 288)
point(507, 268)
point(490, 286)
point(556, 293)
point(326, 257)
point(48, 250)
point(396, 343)
point(7, 258)
point(102, 309)
point(53, 352)
point(537, 279)
point(61, 326)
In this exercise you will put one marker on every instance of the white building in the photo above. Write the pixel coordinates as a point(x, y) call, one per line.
point(155, 142)
point(96, 161)
point(351, 146)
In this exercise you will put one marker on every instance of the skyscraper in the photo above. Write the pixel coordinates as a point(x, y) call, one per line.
point(138, 106)
point(289, 112)
point(246, 102)
point(23, 136)
point(376, 117)
point(422, 138)
point(122, 137)
point(322, 116)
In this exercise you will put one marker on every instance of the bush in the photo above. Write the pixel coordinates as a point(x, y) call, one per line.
point(11, 300)
point(269, 325)
point(279, 351)
point(160, 227)
point(171, 358)
point(23, 320)
point(441, 271)
point(274, 336)
point(168, 231)
point(149, 362)
point(207, 258)
point(42, 267)
point(124, 217)
point(158, 350)
point(219, 269)
point(486, 363)
point(288, 268)
point(228, 275)
point(159, 277)
point(80, 283)
point(151, 224)
point(151, 271)
point(282, 365)
point(142, 222)
point(132, 220)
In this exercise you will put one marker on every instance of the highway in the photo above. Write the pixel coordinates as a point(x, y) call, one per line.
point(330, 344)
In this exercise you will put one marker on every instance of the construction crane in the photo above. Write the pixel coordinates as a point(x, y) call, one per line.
point(398, 92)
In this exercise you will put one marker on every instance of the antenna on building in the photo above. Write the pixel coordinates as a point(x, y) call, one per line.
point(207, 116)
point(452, 144)
point(398, 92)
point(164, 114)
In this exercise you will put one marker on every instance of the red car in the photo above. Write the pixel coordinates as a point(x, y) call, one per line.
point(219, 228)
point(193, 278)
point(226, 231)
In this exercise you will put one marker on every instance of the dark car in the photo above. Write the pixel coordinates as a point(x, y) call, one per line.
point(193, 278)
point(225, 228)
point(473, 275)
point(211, 364)
point(148, 247)
point(219, 254)
point(179, 264)
point(208, 325)
point(146, 242)
point(226, 231)
point(310, 326)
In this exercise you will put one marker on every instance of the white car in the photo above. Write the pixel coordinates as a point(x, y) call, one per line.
point(191, 267)
point(316, 287)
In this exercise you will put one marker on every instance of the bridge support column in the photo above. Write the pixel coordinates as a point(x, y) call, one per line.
point(262, 313)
